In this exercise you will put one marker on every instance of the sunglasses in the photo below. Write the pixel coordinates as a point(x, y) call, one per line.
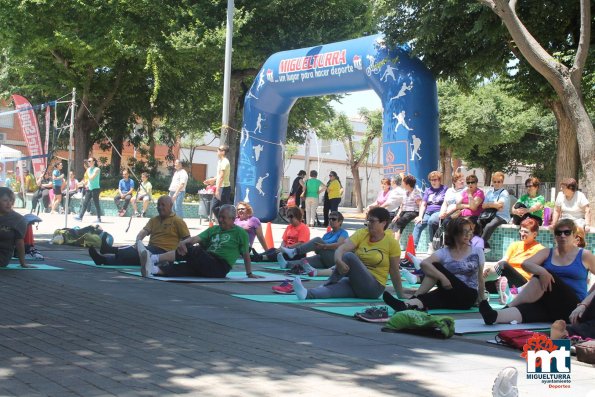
point(471, 183)
point(333, 219)
point(290, 216)
point(563, 232)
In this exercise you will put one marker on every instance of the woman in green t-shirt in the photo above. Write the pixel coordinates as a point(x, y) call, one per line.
point(311, 193)
point(530, 204)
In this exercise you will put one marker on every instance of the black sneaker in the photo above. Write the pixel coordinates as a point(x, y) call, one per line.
point(97, 257)
point(105, 247)
point(375, 314)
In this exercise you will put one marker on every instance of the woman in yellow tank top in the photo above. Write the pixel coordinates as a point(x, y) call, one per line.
point(332, 196)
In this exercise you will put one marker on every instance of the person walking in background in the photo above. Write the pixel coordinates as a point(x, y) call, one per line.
point(222, 194)
point(177, 188)
point(314, 187)
point(297, 187)
point(93, 174)
point(332, 196)
point(125, 192)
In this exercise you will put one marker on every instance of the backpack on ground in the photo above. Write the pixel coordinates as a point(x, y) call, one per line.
point(516, 338)
point(89, 236)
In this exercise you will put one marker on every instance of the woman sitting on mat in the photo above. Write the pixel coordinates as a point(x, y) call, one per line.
point(507, 272)
point(558, 284)
point(362, 263)
point(251, 224)
point(324, 247)
point(296, 234)
point(456, 269)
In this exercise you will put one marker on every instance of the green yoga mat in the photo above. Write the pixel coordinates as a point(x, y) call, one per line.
point(92, 264)
point(231, 277)
point(38, 266)
point(323, 278)
point(291, 298)
point(351, 310)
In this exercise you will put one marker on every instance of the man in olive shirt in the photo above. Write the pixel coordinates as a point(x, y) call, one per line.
point(165, 230)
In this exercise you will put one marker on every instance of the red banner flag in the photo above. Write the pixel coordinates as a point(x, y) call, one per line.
point(30, 130)
point(47, 133)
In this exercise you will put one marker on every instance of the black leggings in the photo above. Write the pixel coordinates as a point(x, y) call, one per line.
point(515, 279)
point(586, 325)
point(553, 305)
point(196, 263)
point(91, 194)
point(459, 297)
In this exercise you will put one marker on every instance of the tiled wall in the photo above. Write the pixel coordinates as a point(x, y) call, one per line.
point(108, 208)
point(499, 241)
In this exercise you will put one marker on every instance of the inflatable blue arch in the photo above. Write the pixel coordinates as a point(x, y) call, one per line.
point(405, 86)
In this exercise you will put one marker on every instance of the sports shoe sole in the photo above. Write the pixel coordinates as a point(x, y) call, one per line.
point(361, 317)
point(283, 292)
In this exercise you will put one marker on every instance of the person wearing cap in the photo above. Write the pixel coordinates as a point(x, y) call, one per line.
point(221, 180)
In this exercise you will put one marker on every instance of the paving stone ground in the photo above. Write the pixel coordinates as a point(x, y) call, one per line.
point(85, 331)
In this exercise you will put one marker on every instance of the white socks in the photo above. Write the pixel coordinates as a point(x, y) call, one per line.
point(290, 252)
point(415, 260)
point(299, 289)
point(281, 261)
point(409, 277)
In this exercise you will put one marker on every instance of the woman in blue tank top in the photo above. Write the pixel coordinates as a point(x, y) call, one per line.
point(558, 285)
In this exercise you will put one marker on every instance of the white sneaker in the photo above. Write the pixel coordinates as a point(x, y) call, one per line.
point(36, 256)
point(505, 384)
point(308, 269)
point(145, 259)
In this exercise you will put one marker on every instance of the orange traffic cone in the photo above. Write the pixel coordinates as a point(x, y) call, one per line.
point(268, 236)
point(410, 246)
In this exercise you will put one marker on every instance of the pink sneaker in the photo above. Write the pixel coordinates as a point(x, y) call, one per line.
point(285, 288)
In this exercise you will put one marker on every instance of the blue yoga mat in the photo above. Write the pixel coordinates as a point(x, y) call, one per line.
point(92, 264)
point(291, 298)
point(38, 266)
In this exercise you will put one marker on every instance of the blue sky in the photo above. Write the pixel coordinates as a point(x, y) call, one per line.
point(356, 100)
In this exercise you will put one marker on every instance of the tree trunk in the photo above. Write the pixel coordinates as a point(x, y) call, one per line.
point(567, 160)
point(116, 161)
point(487, 181)
point(82, 146)
point(446, 165)
point(565, 81)
point(357, 187)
